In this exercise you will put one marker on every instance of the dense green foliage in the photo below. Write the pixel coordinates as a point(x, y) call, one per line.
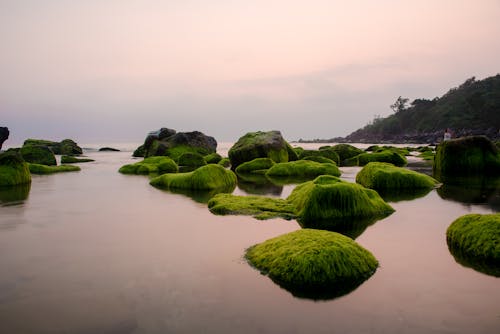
point(68, 159)
point(151, 165)
point(474, 105)
point(303, 168)
point(259, 165)
point(313, 263)
point(13, 169)
point(44, 169)
point(207, 177)
point(476, 238)
point(465, 156)
point(191, 159)
point(258, 206)
point(38, 154)
point(382, 176)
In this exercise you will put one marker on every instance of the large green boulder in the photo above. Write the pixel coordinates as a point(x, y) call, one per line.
point(207, 177)
point(329, 198)
point(151, 165)
point(261, 145)
point(383, 176)
point(38, 154)
point(191, 159)
point(13, 169)
point(346, 151)
point(313, 264)
point(65, 147)
point(326, 152)
point(303, 168)
point(473, 155)
point(474, 241)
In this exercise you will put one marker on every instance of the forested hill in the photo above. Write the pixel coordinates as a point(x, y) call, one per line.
point(471, 108)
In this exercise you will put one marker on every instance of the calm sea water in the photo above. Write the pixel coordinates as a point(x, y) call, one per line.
point(100, 252)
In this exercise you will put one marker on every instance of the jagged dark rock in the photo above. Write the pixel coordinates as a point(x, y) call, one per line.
point(4, 135)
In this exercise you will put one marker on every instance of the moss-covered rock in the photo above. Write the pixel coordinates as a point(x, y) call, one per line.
point(68, 159)
point(170, 143)
point(44, 169)
point(303, 168)
point(261, 145)
point(259, 165)
point(225, 162)
point(329, 198)
point(383, 176)
point(191, 159)
point(325, 152)
point(139, 152)
point(204, 178)
point(38, 154)
point(257, 206)
point(313, 263)
point(13, 169)
point(383, 156)
point(466, 156)
point(319, 159)
point(346, 151)
point(65, 147)
point(151, 165)
point(474, 240)
point(213, 158)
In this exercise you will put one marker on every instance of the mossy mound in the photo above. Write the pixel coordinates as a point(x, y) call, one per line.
point(329, 198)
point(44, 169)
point(383, 156)
point(383, 176)
point(139, 152)
point(303, 168)
point(256, 206)
point(313, 263)
point(191, 159)
point(466, 156)
point(346, 151)
point(151, 165)
point(38, 154)
point(325, 152)
point(259, 165)
point(213, 158)
point(170, 143)
point(204, 178)
point(319, 158)
point(67, 159)
point(64, 147)
point(13, 169)
point(475, 240)
point(225, 162)
point(261, 145)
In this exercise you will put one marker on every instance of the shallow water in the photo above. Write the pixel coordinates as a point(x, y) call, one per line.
point(100, 252)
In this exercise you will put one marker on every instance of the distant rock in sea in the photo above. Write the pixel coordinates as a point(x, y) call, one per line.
point(108, 149)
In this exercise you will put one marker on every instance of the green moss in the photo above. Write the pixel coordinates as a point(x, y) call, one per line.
point(65, 147)
point(151, 165)
point(66, 159)
point(329, 198)
point(39, 142)
point(139, 152)
point(13, 194)
point(346, 151)
point(327, 153)
point(313, 263)
point(383, 156)
point(382, 176)
point(257, 206)
point(191, 159)
point(38, 154)
point(427, 155)
point(177, 151)
point(225, 162)
point(213, 158)
point(204, 178)
point(466, 156)
point(475, 238)
point(319, 159)
point(259, 145)
point(44, 169)
point(303, 168)
point(13, 169)
point(259, 165)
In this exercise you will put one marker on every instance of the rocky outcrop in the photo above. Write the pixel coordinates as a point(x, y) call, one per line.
point(65, 147)
point(38, 154)
point(4, 135)
point(13, 169)
point(108, 149)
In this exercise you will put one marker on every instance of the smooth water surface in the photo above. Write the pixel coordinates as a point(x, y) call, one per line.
point(100, 252)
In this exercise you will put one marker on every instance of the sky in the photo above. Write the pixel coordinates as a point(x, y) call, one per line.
point(113, 70)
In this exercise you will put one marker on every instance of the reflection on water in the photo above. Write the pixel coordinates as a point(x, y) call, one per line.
point(350, 227)
point(396, 195)
point(200, 196)
point(486, 267)
point(14, 195)
point(472, 190)
point(258, 184)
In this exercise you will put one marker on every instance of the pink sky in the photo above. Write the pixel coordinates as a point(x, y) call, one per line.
point(113, 70)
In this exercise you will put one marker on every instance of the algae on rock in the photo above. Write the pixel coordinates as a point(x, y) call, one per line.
point(44, 169)
point(13, 169)
point(151, 165)
point(303, 168)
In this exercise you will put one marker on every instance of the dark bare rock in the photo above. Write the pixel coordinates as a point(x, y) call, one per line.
point(4, 135)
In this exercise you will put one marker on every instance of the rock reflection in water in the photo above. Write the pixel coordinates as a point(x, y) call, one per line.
point(350, 227)
point(258, 184)
point(486, 267)
point(472, 190)
point(15, 194)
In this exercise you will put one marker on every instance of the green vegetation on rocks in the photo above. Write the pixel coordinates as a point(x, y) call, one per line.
point(319, 159)
point(475, 240)
point(346, 151)
point(303, 168)
point(225, 162)
point(191, 159)
point(44, 169)
point(38, 154)
point(67, 159)
point(65, 147)
point(213, 158)
point(259, 165)
point(327, 152)
point(466, 156)
point(313, 263)
point(13, 169)
point(204, 178)
point(383, 156)
point(151, 165)
point(383, 176)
